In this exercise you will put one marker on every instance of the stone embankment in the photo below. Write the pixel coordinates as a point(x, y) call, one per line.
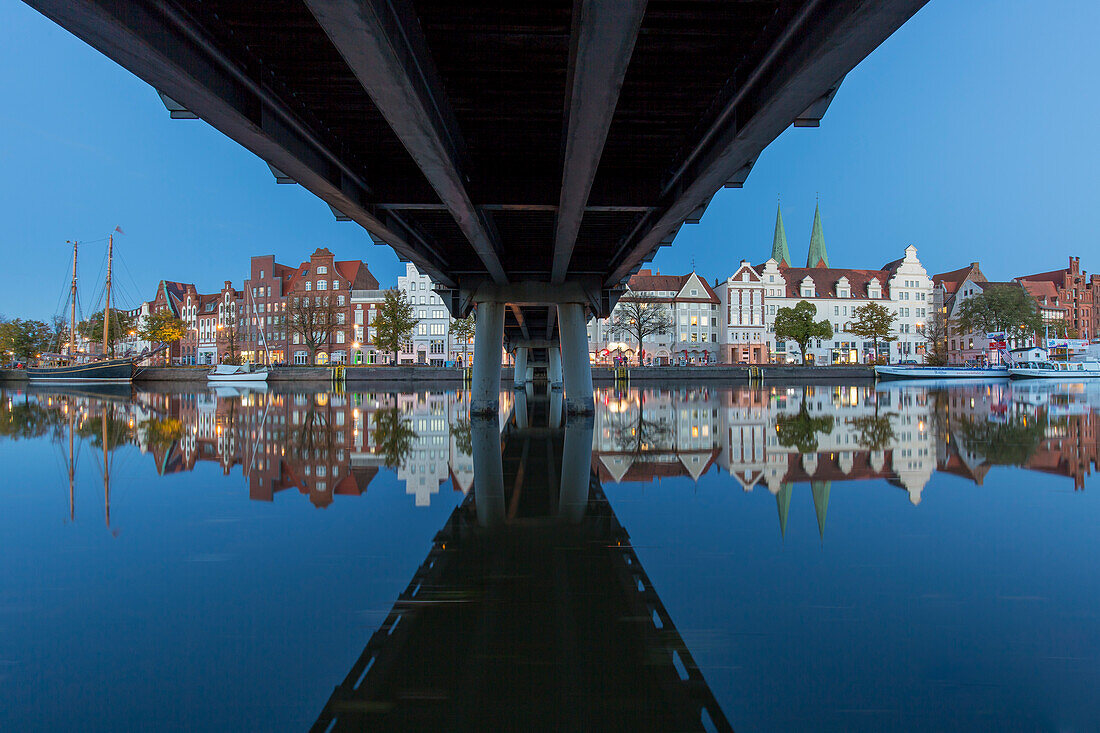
point(452, 376)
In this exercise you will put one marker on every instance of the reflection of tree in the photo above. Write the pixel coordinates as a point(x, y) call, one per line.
point(874, 432)
point(26, 419)
point(118, 430)
point(1009, 443)
point(464, 437)
point(161, 433)
point(314, 437)
point(393, 436)
point(800, 431)
point(636, 434)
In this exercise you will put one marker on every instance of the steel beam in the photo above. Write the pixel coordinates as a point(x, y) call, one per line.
point(816, 50)
point(601, 44)
point(383, 45)
point(161, 45)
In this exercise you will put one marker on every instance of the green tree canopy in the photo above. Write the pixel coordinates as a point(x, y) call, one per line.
point(120, 326)
point(162, 327)
point(798, 325)
point(800, 431)
point(874, 321)
point(24, 339)
point(394, 322)
point(462, 329)
point(1006, 308)
point(393, 436)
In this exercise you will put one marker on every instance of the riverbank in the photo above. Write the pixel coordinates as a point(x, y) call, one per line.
point(452, 376)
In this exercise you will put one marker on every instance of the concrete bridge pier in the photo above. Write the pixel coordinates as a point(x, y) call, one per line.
point(576, 468)
point(576, 368)
point(488, 471)
point(554, 371)
point(520, 377)
point(520, 397)
point(488, 342)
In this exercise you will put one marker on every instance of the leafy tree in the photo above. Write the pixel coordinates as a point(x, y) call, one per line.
point(162, 327)
point(393, 436)
point(24, 339)
point(394, 322)
point(59, 332)
point(314, 319)
point(120, 325)
point(463, 330)
point(935, 334)
point(1062, 329)
point(638, 317)
point(874, 321)
point(874, 432)
point(800, 431)
point(1006, 308)
point(797, 324)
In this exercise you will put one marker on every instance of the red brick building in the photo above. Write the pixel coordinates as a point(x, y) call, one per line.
point(325, 277)
point(1070, 290)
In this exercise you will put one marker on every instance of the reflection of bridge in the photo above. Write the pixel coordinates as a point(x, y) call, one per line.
point(528, 614)
point(529, 157)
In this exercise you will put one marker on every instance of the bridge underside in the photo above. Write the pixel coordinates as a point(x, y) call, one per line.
point(498, 144)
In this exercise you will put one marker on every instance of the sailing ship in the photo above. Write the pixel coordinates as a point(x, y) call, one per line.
point(69, 368)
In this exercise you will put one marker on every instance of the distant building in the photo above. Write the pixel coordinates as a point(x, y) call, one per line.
point(1068, 293)
point(902, 285)
point(430, 342)
point(744, 329)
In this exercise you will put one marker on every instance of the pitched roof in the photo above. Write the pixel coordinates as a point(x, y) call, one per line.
point(951, 280)
point(826, 278)
point(1054, 276)
point(646, 281)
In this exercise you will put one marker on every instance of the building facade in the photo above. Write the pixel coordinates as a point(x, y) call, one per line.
point(744, 330)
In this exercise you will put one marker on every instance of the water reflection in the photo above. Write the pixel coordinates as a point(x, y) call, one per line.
point(532, 590)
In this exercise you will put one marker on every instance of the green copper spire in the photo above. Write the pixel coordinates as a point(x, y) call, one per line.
point(783, 503)
point(817, 252)
point(780, 253)
point(820, 490)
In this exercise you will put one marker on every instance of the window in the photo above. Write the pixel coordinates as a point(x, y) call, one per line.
point(339, 300)
point(340, 337)
point(261, 274)
point(322, 270)
point(309, 285)
point(322, 284)
point(335, 284)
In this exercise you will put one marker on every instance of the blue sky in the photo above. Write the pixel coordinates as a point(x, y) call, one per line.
point(968, 134)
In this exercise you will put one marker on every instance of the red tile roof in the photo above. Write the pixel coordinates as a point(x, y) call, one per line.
point(826, 278)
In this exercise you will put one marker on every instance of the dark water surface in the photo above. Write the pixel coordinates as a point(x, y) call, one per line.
point(827, 558)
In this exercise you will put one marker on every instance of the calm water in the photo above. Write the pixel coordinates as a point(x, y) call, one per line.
point(829, 558)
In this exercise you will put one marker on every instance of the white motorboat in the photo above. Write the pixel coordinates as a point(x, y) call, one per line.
point(908, 371)
point(1067, 371)
point(237, 374)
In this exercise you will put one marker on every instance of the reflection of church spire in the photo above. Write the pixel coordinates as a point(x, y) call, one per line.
point(780, 253)
point(783, 502)
point(820, 490)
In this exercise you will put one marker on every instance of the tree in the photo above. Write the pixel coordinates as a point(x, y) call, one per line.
point(24, 339)
point(393, 437)
point(800, 431)
point(1062, 329)
point(874, 432)
point(639, 316)
point(874, 321)
point(59, 332)
point(314, 319)
point(463, 330)
point(229, 333)
point(1006, 308)
point(120, 325)
point(798, 325)
point(935, 334)
point(394, 322)
point(162, 327)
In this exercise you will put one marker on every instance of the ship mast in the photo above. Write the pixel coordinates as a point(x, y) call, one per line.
point(107, 307)
point(72, 309)
point(106, 469)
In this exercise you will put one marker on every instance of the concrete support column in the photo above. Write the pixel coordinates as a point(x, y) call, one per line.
point(553, 373)
point(530, 375)
point(488, 342)
point(576, 368)
point(555, 408)
point(576, 468)
point(520, 396)
point(519, 378)
point(488, 471)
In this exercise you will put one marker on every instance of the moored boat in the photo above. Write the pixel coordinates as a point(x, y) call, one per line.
point(236, 374)
point(903, 371)
point(106, 371)
point(1062, 370)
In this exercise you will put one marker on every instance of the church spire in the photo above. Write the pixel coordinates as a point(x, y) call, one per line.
point(780, 253)
point(817, 255)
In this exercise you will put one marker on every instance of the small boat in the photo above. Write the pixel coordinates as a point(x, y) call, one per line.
point(903, 371)
point(1066, 371)
point(237, 374)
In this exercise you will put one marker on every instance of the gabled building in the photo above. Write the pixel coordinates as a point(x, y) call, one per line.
point(324, 279)
point(744, 331)
point(902, 285)
point(1069, 290)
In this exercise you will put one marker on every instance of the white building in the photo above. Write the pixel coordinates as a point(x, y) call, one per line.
point(902, 285)
point(431, 342)
point(743, 326)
